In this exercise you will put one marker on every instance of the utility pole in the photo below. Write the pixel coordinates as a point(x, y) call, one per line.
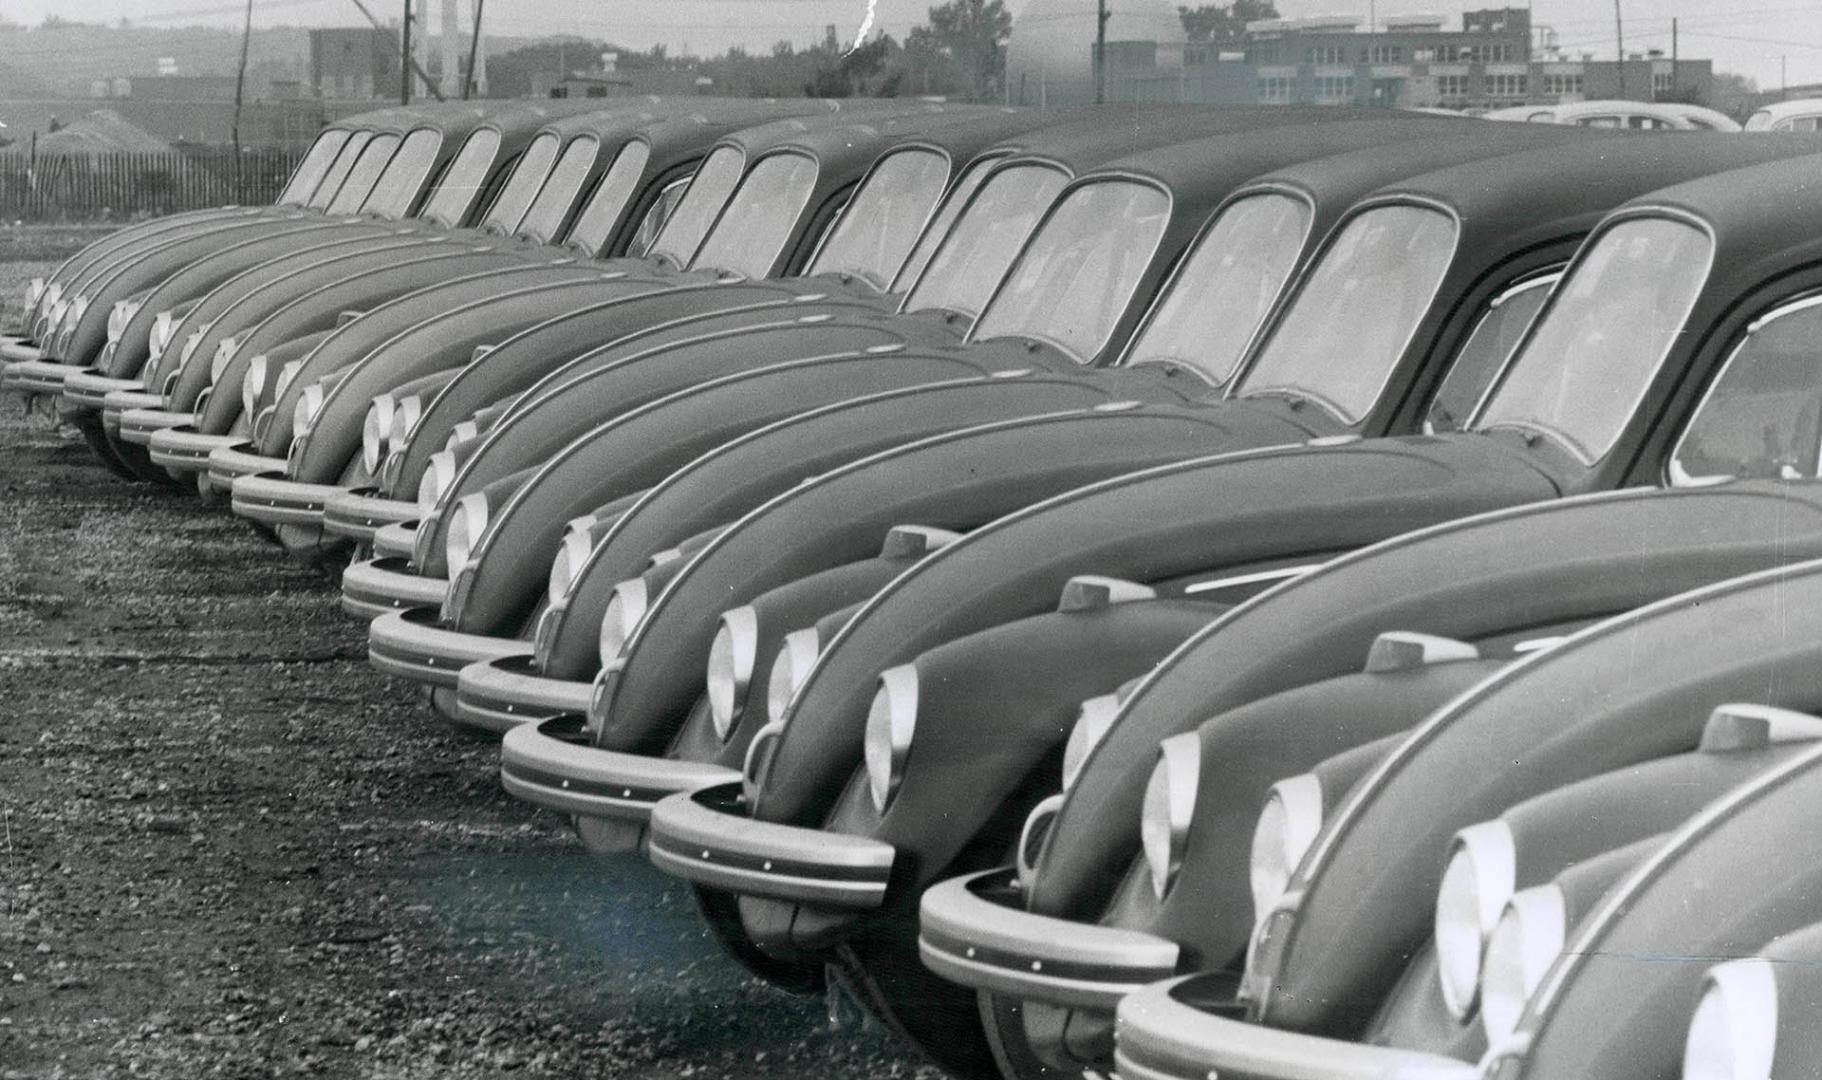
point(405, 59)
point(471, 80)
point(1674, 84)
point(240, 85)
point(1619, 39)
point(1101, 15)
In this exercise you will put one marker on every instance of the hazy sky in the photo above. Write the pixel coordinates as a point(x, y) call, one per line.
point(1747, 36)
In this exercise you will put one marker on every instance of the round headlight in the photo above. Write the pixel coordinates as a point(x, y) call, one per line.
point(468, 522)
point(224, 355)
point(1478, 880)
point(374, 428)
point(1733, 1034)
point(790, 667)
point(309, 406)
point(439, 474)
point(572, 556)
point(1287, 826)
point(891, 723)
point(1524, 943)
point(731, 658)
point(121, 314)
point(254, 385)
point(624, 610)
point(1170, 803)
point(286, 376)
point(34, 291)
point(463, 431)
point(1092, 721)
point(164, 324)
point(405, 415)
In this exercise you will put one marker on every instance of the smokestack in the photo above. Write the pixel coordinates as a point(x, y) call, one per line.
point(452, 51)
point(480, 55)
point(420, 34)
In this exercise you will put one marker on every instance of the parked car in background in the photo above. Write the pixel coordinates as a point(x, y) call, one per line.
point(1643, 115)
point(1803, 114)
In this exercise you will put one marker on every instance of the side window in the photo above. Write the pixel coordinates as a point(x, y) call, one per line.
point(660, 212)
point(1763, 415)
point(1484, 355)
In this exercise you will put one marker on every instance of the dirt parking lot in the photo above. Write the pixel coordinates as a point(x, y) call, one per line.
point(229, 848)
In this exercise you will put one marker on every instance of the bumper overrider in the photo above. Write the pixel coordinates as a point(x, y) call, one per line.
point(410, 645)
point(1191, 1029)
point(18, 350)
point(974, 931)
point(386, 584)
point(180, 447)
point(274, 499)
point(707, 837)
point(552, 765)
point(359, 513)
point(229, 463)
point(506, 692)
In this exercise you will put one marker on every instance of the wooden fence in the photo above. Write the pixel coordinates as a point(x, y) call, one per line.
point(120, 186)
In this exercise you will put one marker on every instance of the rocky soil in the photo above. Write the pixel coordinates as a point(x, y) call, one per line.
point(229, 848)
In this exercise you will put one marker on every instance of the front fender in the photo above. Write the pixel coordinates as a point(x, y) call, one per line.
point(435, 327)
point(1199, 515)
point(642, 447)
point(1543, 565)
point(736, 477)
point(539, 350)
point(1363, 904)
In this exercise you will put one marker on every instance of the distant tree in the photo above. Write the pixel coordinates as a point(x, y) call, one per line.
point(961, 52)
point(1223, 26)
point(860, 72)
point(1735, 95)
point(509, 74)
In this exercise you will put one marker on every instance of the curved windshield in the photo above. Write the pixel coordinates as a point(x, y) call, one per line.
point(652, 225)
point(1483, 356)
point(939, 226)
point(1077, 275)
point(1763, 416)
point(404, 176)
point(361, 177)
point(1581, 375)
point(702, 200)
point(596, 223)
point(466, 176)
point(1227, 285)
point(552, 204)
point(1349, 324)
point(974, 256)
point(757, 221)
point(522, 186)
point(310, 171)
point(883, 219)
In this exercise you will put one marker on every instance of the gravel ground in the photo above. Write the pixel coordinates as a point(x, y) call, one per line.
point(229, 848)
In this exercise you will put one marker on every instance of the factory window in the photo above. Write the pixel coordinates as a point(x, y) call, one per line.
point(1562, 84)
point(1661, 83)
point(1324, 54)
point(1452, 85)
point(1274, 90)
point(1335, 88)
point(1388, 54)
point(1506, 85)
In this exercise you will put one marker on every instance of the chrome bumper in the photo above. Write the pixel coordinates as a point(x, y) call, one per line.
point(277, 500)
point(707, 837)
point(359, 513)
point(972, 931)
point(37, 377)
point(137, 424)
point(551, 764)
point(89, 389)
point(399, 539)
point(228, 463)
point(386, 584)
point(180, 449)
point(502, 694)
point(409, 645)
point(1177, 1031)
point(16, 350)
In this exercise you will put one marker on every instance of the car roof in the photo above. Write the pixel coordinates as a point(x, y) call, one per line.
point(762, 138)
point(1529, 197)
